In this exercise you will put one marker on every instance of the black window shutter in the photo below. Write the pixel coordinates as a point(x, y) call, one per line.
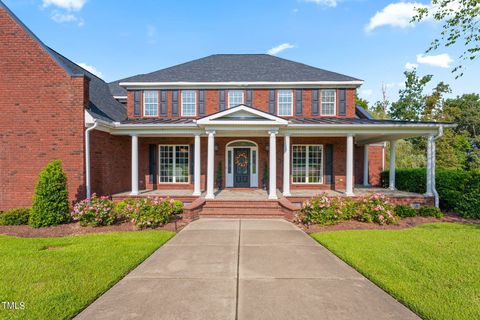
point(271, 101)
point(329, 163)
point(298, 102)
point(163, 102)
point(249, 99)
point(175, 102)
point(221, 100)
point(342, 110)
point(136, 102)
point(314, 102)
point(152, 163)
point(201, 102)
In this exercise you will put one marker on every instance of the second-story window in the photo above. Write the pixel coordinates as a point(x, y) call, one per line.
point(150, 103)
point(189, 103)
point(235, 97)
point(328, 102)
point(285, 102)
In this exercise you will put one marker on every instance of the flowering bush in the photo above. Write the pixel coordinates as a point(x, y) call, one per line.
point(375, 208)
point(326, 211)
point(96, 211)
point(148, 212)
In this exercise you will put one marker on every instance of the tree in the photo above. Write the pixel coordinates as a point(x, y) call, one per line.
point(380, 108)
point(460, 23)
point(50, 201)
point(361, 102)
point(434, 102)
point(411, 102)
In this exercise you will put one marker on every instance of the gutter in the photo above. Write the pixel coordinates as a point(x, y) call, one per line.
point(434, 190)
point(88, 185)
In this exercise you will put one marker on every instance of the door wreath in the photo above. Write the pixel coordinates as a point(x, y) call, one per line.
point(241, 160)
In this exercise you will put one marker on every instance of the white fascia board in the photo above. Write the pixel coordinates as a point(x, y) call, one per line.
point(269, 117)
point(374, 125)
point(240, 123)
point(120, 97)
point(243, 84)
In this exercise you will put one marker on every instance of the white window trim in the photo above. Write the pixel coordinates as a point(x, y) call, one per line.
point(174, 157)
point(334, 103)
point(306, 163)
point(228, 97)
point(156, 109)
point(181, 104)
point(278, 103)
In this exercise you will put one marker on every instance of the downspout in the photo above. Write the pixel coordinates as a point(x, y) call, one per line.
point(434, 190)
point(88, 184)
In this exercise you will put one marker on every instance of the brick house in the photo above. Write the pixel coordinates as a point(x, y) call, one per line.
point(225, 117)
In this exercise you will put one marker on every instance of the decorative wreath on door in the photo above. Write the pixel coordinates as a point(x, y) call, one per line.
point(241, 160)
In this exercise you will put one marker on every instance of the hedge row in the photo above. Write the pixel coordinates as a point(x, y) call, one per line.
point(459, 190)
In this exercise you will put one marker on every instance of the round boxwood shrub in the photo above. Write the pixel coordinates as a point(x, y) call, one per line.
point(15, 217)
point(404, 211)
point(428, 211)
point(50, 201)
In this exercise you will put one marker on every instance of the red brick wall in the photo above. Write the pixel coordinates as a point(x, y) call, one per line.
point(260, 101)
point(42, 117)
point(110, 159)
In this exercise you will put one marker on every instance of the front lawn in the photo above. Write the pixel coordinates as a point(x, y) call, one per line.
point(56, 278)
point(434, 269)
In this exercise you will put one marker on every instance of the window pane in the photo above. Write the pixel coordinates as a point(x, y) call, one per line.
point(235, 97)
point(285, 102)
point(229, 161)
point(328, 102)
point(189, 103)
point(174, 164)
point(307, 165)
point(166, 164)
point(299, 163)
point(150, 103)
point(254, 162)
point(315, 164)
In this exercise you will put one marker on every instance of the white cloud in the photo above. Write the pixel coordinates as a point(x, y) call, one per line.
point(71, 5)
point(326, 3)
point(395, 14)
point(441, 60)
point(60, 17)
point(276, 50)
point(410, 66)
point(295, 10)
point(91, 69)
point(366, 92)
point(151, 34)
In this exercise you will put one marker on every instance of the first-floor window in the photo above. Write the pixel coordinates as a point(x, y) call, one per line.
point(174, 164)
point(307, 163)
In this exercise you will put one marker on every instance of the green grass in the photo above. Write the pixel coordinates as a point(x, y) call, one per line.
point(434, 269)
point(57, 277)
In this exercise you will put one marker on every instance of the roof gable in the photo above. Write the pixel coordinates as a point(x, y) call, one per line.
point(242, 114)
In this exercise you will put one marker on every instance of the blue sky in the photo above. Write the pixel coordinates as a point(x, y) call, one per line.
point(370, 40)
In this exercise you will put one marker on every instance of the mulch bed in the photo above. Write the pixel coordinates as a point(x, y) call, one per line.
point(402, 224)
point(70, 229)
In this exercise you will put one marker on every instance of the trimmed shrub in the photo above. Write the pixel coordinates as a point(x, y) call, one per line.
point(50, 201)
point(15, 217)
point(459, 190)
point(147, 212)
point(428, 211)
point(404, 211)
point(96, 211)
point(327, 211)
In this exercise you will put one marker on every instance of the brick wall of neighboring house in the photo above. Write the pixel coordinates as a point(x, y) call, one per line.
point(260, 101)
point(42, 117)
point(110, 158)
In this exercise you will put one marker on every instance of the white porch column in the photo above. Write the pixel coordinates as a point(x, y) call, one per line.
point(196, 167)
point(286, 165)
point(210, 164)
point(365, 166)
point(392, 165)
point(430, 142)
point(134, 165)
point(349, 171)
point(272, 194)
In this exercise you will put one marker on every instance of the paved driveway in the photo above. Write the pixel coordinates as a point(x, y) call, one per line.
point(244, 269)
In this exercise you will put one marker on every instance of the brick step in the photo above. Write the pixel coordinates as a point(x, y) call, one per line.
point(241, 216)
point(241, 204)
point(241, 211)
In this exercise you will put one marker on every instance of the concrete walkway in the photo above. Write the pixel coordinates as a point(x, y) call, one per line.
point(244, 269)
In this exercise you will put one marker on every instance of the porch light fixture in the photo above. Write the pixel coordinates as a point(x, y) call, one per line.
point(267, 148)
point(216, 147)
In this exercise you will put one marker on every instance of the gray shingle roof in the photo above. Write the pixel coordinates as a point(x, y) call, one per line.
point(240, 68)
point(116, 90)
